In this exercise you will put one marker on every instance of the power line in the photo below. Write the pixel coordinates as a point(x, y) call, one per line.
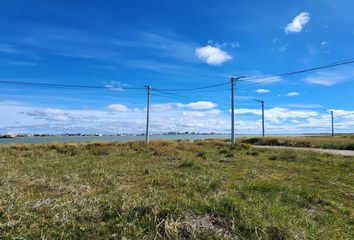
point(37, 84)
point(50, 85)
point(173, 94)
point(336, 64)
point(198, 88)
point(345, 62)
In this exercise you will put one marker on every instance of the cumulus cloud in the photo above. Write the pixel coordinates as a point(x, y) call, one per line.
point(176, 117)
point(201, 113)
point(277, 115)
point(212, 55)
point(164, 106)
point(262, 90)
point(298, 23)
point(201, 105)
point(59, 115)
point(117, 108)
point(292, 94)
point(302, 105)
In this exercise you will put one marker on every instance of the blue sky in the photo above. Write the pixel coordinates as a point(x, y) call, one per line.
point(175, 44)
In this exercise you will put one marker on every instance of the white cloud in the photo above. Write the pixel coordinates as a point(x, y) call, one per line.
point(324, 44)
point(343, 113)
point(214, 112)
point(298, 23)
point(302, 105)
point(292, 94)
point(331, 77)
point(277, 115)
point(283, 48)
point(225, 44)
point(4, 48)
point(115, 86)
point(163, 106)
point(201, 105)
point(117, 108)
point(259, 77)
point(262, 90)
point(248, 111)
point(24, 118)
point(212, 55)
point(50, 114)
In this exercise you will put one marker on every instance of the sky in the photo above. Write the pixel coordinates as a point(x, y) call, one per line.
point(175, 45)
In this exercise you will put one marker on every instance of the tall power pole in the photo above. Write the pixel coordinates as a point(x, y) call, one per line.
point(232, 112)
point(332, 118)
point(262, 102)
point(148, 88)
point(233, 81)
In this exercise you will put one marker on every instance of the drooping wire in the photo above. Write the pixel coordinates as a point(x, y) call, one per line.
point(173, 94)
point(335, 64)
point(50, 85)
point(197, 88)
point(68, 86)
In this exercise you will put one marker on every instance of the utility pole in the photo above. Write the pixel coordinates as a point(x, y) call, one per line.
point(232, 112)
point(332, 118)
point(262, 102)
point(148, 88)
point(233, 81)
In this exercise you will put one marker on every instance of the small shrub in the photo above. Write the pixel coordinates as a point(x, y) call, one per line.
point(288, 156)
point(201, 155)
point(277, 233)
point(252, 153)
point(302, 144)
point(70, 150)
point(272, 157)
point(99, 152)
point(230, 155)
point(188, 164)
point(223, 151)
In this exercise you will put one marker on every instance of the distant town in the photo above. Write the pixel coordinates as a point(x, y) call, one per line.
point(24, 135)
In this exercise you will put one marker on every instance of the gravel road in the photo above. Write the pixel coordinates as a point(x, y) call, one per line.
point(320, 150)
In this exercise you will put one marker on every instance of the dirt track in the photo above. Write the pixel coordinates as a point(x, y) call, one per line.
point(320, 150)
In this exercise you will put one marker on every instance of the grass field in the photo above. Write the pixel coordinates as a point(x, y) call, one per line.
point(173, 190)
point(344, 142)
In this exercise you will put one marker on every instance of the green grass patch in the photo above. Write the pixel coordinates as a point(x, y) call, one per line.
point(341, 142)
point(173, 190)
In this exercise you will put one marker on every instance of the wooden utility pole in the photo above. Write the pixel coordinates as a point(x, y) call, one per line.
point(232, 112)
point(148, 88)
point(233, 81)
point(332, 118)
point(262, 102)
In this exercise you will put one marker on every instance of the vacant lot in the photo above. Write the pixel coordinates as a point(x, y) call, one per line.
point(173, 190)
point(344, 142)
